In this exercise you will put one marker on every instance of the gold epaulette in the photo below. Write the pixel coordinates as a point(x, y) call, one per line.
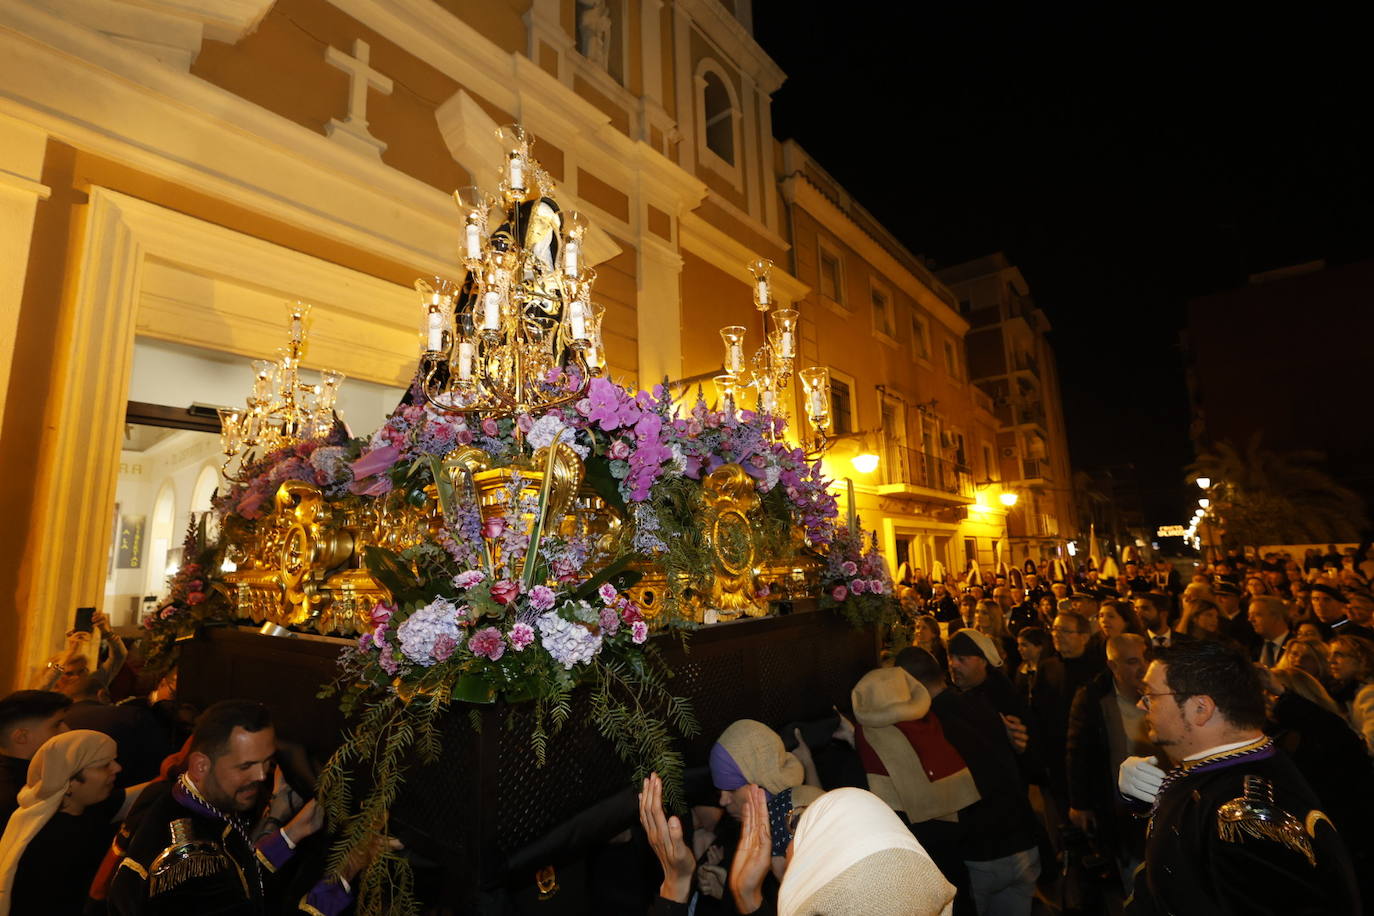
point(186, 858)
point(1256, 815)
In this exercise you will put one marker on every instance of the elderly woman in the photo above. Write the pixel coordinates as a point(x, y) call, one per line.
point(850, 855)
point(1352, 666)
point(68, 811)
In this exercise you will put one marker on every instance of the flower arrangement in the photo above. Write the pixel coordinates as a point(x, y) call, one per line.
point(855, 580)
point(192, 600)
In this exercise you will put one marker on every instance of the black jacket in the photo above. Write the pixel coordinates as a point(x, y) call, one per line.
point(1001, 822)
point(1192, 867)
point(1091, 775)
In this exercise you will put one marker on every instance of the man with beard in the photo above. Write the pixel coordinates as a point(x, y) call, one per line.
point(192, 852)
point(1234, 828)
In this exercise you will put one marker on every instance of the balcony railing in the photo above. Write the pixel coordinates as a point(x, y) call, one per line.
point(918, 469)
point(1027, 363)
point(1044, 526)
point(1034, 468)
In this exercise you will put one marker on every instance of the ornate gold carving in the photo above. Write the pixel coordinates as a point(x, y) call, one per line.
point(730, 496)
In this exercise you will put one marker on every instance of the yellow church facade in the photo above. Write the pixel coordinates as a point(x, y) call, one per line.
point(172, 172)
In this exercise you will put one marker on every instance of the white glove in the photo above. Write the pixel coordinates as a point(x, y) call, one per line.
point(1140, 777)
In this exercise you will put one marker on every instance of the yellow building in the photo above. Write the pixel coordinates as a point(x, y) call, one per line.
point(171, 173)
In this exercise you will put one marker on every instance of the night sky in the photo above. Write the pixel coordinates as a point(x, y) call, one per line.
point(1126, 157)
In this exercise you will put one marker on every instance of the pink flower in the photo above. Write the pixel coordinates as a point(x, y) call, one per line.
point(505, 591)
point(610, 621)
point(840, 593)
point(607, 592)
point(489, 427)
point(858, 586)
point(629, 612)
point(639, 631)
point(487, 643)
point(541, 598)
point(381, 613)
point(876, 586)
point(619, 450)
point(195, 597)
point(468, 578)
point(564, 570)
point(525, 422)
point(463, 436)
point(520, 636)
point(375, 461)
point(168, 611)
point(494, 527)
point(444, 645)
point(849, 568)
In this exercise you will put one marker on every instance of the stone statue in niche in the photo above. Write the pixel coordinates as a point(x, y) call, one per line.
point(594, 31)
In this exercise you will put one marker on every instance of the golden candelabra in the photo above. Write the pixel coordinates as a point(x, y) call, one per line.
point(491, 344)
point(769, 371)
point(282, 410)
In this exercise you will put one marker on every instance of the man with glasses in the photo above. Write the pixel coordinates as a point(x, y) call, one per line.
point(1234, 828)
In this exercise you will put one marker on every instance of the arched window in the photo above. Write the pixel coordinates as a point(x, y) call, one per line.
point(160, 538)
point(719, 116)
point(206, 482)
point(719, 122)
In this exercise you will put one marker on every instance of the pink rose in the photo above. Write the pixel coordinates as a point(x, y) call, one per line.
point(168, 611)
point(849, 568)
point(489, 427)
point(520, 636)
point(505, 591)
point(493, 527)
point(381, 613)
point(840, 593)
point(619, 450)
point(876, 586)
point(564, 570)
point(525, 422)
point(195, 597)
point(858, 586)
point(639, 631)
point(629, 612)
point(463, 436)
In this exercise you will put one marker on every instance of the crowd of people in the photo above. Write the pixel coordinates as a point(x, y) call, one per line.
point(1061, 740)
point(1047, 740)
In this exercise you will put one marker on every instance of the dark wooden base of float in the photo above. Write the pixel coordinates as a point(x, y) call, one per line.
point(485, 814)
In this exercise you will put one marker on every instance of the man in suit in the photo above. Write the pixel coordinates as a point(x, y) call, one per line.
point(1106, 725)
point(1155, 610)
point(1269, 619)
point(1234, 624)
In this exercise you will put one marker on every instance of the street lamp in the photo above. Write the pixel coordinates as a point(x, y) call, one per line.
point(1008, 498)
point(865, 462)
point(1204, 482)
point(1204, 502)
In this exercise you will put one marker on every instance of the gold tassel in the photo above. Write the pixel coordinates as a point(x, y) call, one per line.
point(1256, 815)
point(1284, 834)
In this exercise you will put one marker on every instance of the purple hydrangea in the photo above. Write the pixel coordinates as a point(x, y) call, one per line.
point(567, 642)
point(422, 629)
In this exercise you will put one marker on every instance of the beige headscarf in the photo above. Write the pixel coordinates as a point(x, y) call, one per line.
point(50, 775)
point(759, 753)
point(852, 856)
point(935, 786)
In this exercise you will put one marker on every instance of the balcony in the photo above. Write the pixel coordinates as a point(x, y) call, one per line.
point(910, 472)
point(1024, 362)
point(1035, 469)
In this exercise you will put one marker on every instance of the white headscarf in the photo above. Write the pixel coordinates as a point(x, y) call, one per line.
point(850, 829)
point(50, 776)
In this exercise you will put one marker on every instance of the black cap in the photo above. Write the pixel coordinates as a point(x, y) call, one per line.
point(1329, 590)
point(1226, 587)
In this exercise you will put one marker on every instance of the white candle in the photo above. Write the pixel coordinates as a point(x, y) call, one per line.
point(435, 322)
point(491, 311)
point(578, 321)
point(517, 174)
point(767, 401)
point(474, 242)
point(570, 259)
point(787, 344)
point(763, 291)
point(817, 399)
point(736, 358)
point(465, 360)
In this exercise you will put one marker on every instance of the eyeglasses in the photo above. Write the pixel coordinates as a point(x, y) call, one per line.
point(794, 818)
point(1147, 698)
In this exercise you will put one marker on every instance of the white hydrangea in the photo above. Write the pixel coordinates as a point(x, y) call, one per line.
point(550, 428)
point(569, 643)
point(418, 633)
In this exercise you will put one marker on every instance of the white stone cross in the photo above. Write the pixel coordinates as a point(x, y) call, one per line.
point(352, 130)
